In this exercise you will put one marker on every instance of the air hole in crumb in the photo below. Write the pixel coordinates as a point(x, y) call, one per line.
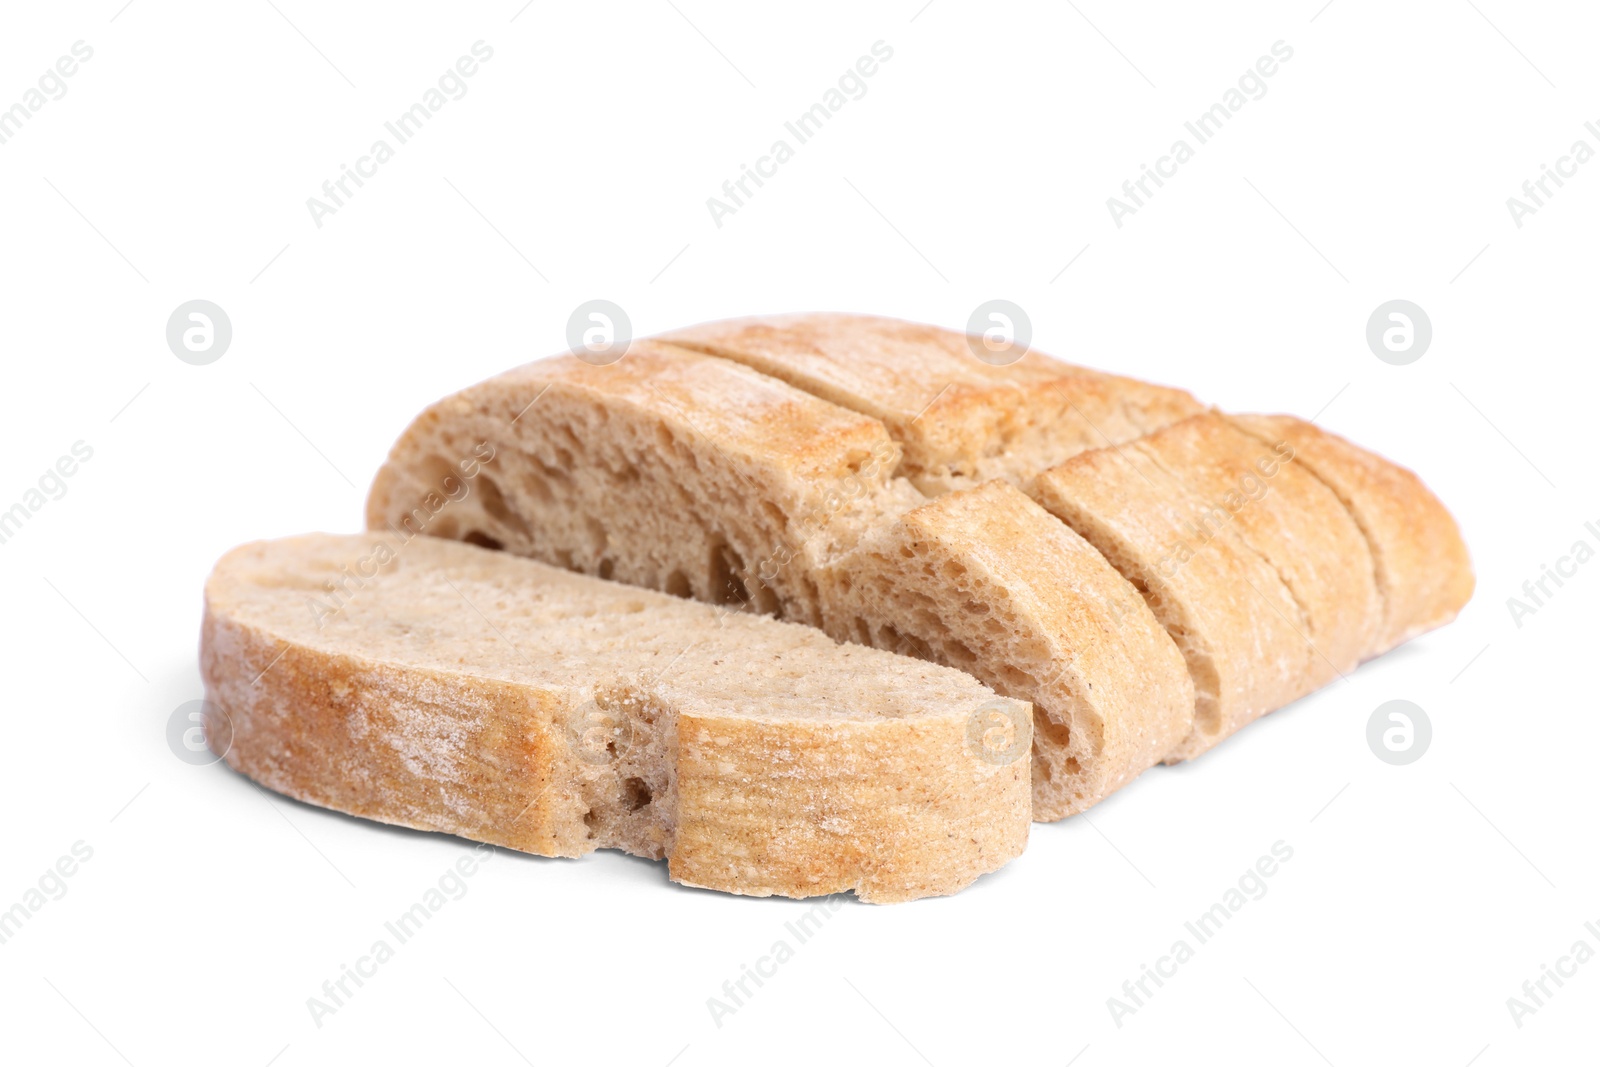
point(636, 793)
point(494, 502)
point(483, 540)
point(767, 600)
point(678, 585)
point(727, 581)
point(606, 567)
point(911, 645)
point(958, 653)
point(598, 537)
point(1047, 728)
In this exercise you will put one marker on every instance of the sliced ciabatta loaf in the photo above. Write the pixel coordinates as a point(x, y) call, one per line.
point(1420, 563)
point(445, 687)
point(699, 476)
point(776, 485)
point(960, 420)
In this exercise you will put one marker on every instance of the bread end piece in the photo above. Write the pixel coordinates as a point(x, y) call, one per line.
point(1421, 564)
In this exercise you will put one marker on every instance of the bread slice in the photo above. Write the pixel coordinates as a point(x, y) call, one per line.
point(436, 685)
point(698, 476)
point(669, 469)
point(985, 580)
point(1420, 563)
point(1292, 521)
point(1237, 625)
point(960, 420)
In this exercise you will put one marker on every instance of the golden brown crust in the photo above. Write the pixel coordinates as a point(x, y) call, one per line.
point(744, 413)
point(446, 690)
point(336, 731)
point(961, 421)
point(1421, 564)
point(892, 814)
point(1292, 521)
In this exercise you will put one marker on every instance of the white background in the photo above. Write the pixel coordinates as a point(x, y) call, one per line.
point(978, 164)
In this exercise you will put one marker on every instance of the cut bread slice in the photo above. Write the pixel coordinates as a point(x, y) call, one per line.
point(960, 420)
point(1237, 625)
point(740, 489)
point(1420, 564)
point(985, 580)
point(670, 469)
point(444, 687)
point(1292, 521)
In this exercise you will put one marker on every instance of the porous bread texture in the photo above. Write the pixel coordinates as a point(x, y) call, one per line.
point(799, 476)
point(1237, 625)
point(960, 420)
point(445, 687)
point(985, 580)
point(740, 489)
point(1288, 517)
point(1420, 564)
point(670, 470)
